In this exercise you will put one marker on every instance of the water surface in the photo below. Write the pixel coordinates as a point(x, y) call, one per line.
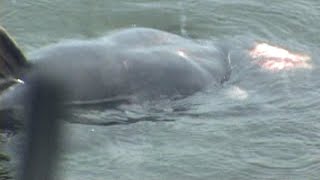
point(258, 125)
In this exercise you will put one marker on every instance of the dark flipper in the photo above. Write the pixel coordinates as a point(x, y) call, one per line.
point(12, 61)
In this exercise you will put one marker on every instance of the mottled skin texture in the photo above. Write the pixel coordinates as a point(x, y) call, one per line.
point(136, 62)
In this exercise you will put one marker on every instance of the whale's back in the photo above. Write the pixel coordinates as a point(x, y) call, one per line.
point(116, 66)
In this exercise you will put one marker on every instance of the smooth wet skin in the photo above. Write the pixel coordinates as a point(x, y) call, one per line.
point(137, 62)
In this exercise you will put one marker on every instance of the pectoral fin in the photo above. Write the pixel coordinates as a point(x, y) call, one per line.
point(12, 61)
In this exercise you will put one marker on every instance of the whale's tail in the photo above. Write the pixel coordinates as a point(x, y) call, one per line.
point(12, 61)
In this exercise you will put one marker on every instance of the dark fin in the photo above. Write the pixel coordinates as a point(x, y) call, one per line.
point(13, 64)
point(12, 61)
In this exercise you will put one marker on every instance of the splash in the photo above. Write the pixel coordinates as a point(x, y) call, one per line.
point(237, 93)
point(273, 58)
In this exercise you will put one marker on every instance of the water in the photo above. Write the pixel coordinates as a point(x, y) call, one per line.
point(258, 125)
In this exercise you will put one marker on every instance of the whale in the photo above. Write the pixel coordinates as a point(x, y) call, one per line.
point(134, 62)
point(126, 64)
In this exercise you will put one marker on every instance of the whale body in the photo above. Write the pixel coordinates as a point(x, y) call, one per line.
point(135, 62)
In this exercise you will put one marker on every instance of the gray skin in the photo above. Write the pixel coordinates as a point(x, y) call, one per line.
point(137, 62)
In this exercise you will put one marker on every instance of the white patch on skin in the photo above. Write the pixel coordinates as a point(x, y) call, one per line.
point(182, 54)
point(125, 64)
point(19, 81)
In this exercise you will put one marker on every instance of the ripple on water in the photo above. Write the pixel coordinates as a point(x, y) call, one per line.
point(279, 150)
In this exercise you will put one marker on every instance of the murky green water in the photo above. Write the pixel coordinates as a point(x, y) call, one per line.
point(257, 126)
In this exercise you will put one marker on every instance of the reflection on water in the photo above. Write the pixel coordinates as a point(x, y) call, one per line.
point(259, 125)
